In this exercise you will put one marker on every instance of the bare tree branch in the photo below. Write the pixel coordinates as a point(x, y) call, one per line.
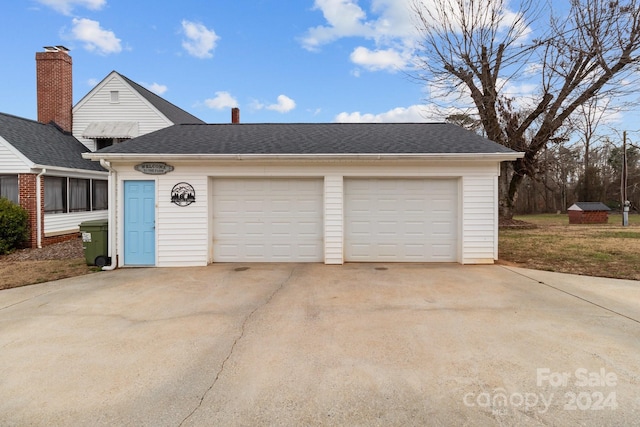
point(481, 49)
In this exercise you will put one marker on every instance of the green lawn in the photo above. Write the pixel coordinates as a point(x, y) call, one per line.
point(605, 250)
point(563, 219)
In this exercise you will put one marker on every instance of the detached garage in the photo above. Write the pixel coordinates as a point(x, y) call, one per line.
point(329, 193)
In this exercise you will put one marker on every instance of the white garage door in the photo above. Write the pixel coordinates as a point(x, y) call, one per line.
point(267, 220)
point(401, 220)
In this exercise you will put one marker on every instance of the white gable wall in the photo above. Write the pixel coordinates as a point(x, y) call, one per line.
point(184, 236)
point(131, 107)
point(10, 162)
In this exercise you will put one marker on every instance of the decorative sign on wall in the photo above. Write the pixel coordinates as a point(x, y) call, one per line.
point(153, 168)
point(183, 194)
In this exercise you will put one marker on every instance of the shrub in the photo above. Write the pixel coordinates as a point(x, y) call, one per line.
point(13, 226)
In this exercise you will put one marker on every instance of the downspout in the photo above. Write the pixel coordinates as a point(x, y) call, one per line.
point(111, 214)
point(39, 209)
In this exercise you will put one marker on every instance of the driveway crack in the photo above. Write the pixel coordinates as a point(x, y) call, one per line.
point(575, 296)
point(235, 342)
point(27, 299)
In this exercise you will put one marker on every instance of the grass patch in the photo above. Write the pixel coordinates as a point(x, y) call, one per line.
point(604, 250)
point(21, 273)
point(619, 234)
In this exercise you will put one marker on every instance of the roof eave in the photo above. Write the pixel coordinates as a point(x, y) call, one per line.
point(493, 157)
point(68, 170)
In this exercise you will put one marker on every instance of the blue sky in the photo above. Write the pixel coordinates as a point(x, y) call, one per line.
point(279, 61)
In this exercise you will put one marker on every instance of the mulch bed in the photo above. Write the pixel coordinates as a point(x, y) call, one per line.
point(65, 250)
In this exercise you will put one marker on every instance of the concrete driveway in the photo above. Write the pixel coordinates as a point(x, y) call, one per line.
point(309, 344)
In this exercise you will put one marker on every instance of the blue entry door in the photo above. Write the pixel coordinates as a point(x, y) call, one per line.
point(139, 223)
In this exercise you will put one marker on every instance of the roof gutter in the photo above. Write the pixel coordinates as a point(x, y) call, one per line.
point(255, 157)
point(67, 170)
point(39, 208)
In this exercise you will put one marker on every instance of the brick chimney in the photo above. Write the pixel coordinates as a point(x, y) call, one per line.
point(235, 115)
point(54, 86)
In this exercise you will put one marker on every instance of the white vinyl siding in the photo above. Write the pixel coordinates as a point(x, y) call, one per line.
point(267, 220)
point(333, 219)
point(10, 163)
point(131, 107)
point(181, 231)
point(59, 224)
point(401, 220)
point(479, 225)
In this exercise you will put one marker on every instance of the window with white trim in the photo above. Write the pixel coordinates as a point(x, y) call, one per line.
point(64, 195)
point(9, 187)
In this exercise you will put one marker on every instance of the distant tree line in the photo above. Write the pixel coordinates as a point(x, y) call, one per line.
point(582, 166)
point(563, 178)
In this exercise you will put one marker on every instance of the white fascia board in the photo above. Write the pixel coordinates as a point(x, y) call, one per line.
point(490, 157)
point(56, 170)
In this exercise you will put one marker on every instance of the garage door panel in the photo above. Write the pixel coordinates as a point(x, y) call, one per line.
point(444, 229)
point(267, 220)
point(400, 219)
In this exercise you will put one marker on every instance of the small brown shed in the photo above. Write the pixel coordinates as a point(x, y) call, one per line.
point(588, 213)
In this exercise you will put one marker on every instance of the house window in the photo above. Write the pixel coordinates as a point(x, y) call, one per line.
point(115, 96)
point(55, 194)
point(99, 195)
point(103, 142)
point(9, 187)
point(64, 195)
point(107, 142)
point(79, 195)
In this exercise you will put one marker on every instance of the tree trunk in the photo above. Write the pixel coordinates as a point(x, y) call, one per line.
point(505, 203)
point(508, 186)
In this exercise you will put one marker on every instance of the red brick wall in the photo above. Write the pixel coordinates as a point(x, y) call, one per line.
point(54, 88)
point(28, 200)
point(27, 189)
point(589, 217)
point(46, 241)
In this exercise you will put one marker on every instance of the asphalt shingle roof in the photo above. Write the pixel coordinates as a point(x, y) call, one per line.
point(45, 144)
point(175, 114)
point(591, 206)
point(319, 138)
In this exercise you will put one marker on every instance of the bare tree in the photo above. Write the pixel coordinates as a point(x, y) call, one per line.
point(585, 123)
point(477, 48)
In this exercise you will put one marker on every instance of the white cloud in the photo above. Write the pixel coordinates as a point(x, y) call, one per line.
point(93, 82)
point(156, 88)
point(256, 105)
point(375, 60)
point(66, 6)
point(95, 38)
point(222, 101)
point(345, 18)
point(284, 104)
point(390, 25)
point(412, 114)
point(200, 41)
